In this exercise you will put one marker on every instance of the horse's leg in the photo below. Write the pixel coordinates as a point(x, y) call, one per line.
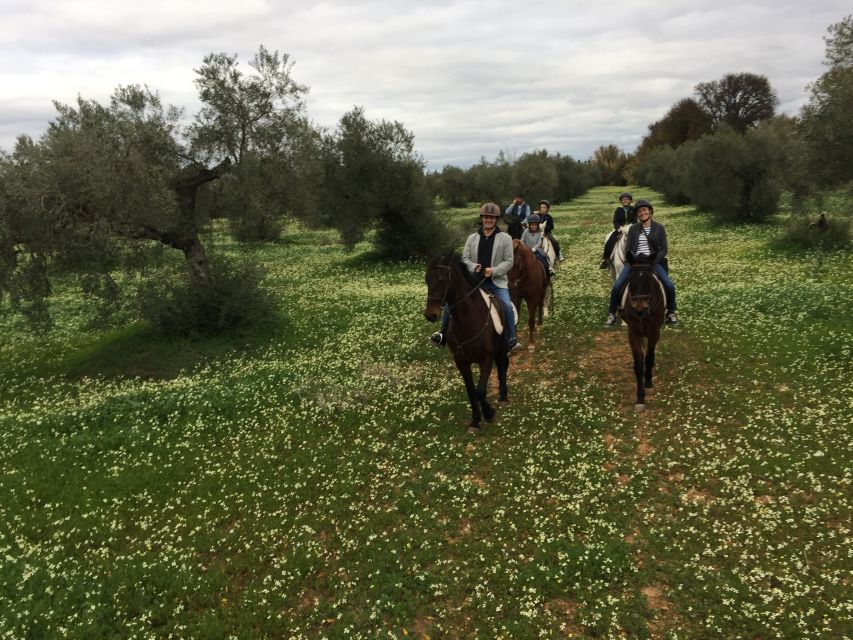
point(468, 377)
point(650, 355)
point(482, 386)
point(532, 310)
point(636, 341)
point(502, 360)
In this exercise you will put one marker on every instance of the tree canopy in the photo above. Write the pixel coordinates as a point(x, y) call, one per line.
point(106, 180)
point(739, 100)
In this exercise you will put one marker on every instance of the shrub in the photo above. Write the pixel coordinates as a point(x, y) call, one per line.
point(662, 169)
point(735, 176)
point(179, 306)
point(806, 230)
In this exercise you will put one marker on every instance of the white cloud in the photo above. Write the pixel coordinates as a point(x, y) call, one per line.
point(469, 78)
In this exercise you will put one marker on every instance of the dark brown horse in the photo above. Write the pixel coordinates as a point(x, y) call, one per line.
point(529, 282)
point(643, 313)
point(471, 334)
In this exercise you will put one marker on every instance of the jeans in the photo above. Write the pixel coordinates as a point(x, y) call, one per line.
point(503, 296)
point(660, 272)
point(543, 259)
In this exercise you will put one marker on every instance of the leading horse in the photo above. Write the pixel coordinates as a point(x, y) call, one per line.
point(529, 282)
point(644, 314)
point(471, 334)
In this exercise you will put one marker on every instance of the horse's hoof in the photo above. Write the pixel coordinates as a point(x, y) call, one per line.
point(531, 347)
point(639, 407)
point(473, 430)
point(491, 417)
point(649, 385)
point(504, 403)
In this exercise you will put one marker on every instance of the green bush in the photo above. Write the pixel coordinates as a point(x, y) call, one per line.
point(803, 231)
point(805, 227)
point(662, 169)
point(179, 306)
point(735, 176)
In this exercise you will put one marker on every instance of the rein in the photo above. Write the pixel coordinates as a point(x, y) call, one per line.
point(443, 300)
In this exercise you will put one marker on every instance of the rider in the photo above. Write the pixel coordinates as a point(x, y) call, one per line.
point(532, 237)
point(488, 252)
point(515, 215)
point(626, 214)
point(646, 243)
point(548, 222)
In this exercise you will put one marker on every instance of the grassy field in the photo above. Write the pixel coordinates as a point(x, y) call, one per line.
point(314, 478)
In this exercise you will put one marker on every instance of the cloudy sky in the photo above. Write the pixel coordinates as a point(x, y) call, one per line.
point(468, 78)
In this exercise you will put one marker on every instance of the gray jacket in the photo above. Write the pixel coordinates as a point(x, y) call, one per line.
point(532, 240)
point(501, 256)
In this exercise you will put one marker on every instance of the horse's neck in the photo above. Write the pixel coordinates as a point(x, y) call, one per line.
point(458, 296)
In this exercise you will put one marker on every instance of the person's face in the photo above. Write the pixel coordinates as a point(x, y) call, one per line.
point(643, 214)
point(543, 208)
point(534, 227)
point(626, 201)
point(489, 222)
point(519, 200)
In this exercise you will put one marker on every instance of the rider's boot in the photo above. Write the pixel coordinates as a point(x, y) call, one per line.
point(612, 321)
point(438, 339)
point(604, 264)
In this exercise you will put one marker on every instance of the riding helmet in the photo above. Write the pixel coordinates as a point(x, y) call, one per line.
point(534, 219)
point(625, 194)
point(545, 202)
point(644, 203)
point(490, 209)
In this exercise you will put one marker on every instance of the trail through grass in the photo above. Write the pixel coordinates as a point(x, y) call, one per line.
point(314, 478)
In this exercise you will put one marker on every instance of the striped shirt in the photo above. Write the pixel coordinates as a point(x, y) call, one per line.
point(643, 248)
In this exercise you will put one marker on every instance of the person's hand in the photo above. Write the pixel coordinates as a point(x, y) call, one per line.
point(477, 268)
point(488, 272)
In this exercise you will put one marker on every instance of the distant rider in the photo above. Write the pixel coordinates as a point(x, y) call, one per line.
point(488, 252)
point(532, 238)
point(623, 215)
point(515, 216)
point(646, 244)
point(548, 224)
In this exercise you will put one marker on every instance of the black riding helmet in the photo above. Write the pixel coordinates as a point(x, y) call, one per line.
point(625, 194)
point(644, 203)
point(545, 202)
point(534, 219)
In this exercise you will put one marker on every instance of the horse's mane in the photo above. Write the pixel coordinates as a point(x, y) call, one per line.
point(454, 261)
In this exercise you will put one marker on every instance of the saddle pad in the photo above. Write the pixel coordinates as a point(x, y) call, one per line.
point(493, 309)
point(625, 293)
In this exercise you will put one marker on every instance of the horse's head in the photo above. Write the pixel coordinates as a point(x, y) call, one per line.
point(641, 283)
point(519, 264)
point(438, 274)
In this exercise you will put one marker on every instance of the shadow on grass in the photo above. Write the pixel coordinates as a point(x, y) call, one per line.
point(140, 351)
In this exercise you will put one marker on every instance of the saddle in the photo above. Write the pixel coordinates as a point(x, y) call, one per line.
point(496, 310)
point(623, 298)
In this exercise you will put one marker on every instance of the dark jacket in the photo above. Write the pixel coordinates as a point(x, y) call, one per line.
point(657, 242)
point(547, 222)
point(623, 216)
